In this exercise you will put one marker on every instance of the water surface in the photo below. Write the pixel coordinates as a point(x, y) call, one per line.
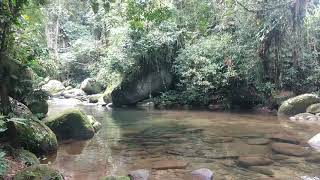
point(132, 139)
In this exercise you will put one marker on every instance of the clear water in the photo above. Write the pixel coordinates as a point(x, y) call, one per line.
point(133, 139)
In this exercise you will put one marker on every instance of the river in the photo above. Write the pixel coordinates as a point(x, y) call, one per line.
point(132, 139)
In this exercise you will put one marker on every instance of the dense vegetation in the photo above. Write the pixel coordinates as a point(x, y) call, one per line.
point(230, 52)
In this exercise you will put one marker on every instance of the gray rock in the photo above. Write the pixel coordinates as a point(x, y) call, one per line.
point(305, 117)
point(140, 87)
point(314, 108)
point(140, 174)
point(298, 104)
point(258, 141)
point(202, 174)
point(53, 86)
point(290, 149)
point(254, 161)
point(314, 142)
point(91, 86)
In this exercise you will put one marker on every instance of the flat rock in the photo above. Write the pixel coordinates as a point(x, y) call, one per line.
point(286, 138)
point(169, 164)
point(314, 142)
point(202, 174)
point(258, 141)
point(254, 161)
point(141, 174)
point(262, 170)
point(290, 149)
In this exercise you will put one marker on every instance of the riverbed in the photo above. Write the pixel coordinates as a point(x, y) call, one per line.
point(133, 139)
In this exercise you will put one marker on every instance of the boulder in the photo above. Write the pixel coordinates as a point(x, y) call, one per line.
point(71, 124)
point(21, 110)
point(96, 124)
point(26, 157)
point(297, 104)
point(53, 86)
point(107, 97)
point(91, 86)
point(169, 164)
point(290, 149)
point(36, 137)
point(140, 86)
point(305, 117)
point(279, 97)
point(39, 172)
point(94, 98)
point(247, 161)
point(314, 108)
point(72, 93)
point(141, 174)
point(202, 174)
point(314, 142)
point(39, 108)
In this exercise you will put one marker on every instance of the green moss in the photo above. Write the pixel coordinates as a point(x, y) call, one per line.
point(298, 104)
point(71, 124)
point(314, 108)
point(39, 172)
point(27, 157)
point(36, 137)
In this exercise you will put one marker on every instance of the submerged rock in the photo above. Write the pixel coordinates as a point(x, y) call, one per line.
point(39, 172)
point(91, 86)
point(202, 174)
point(314, 142)
point(258, 141)
point(314, 108)
point(305, 117)
point(313, 158)
point(96, 124)
point(71, 124)
point(286, 138)
point(170, 164)
point(289, 149)
point(261, 170)
point(36, 137)
point(141, 174)
point(53, 86)
point(254, 161)
point(298, 104)
point(140, 87)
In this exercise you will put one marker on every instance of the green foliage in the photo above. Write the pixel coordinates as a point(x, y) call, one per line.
point(3, 163)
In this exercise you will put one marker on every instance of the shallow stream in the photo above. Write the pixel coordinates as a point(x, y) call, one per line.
point(133, 139)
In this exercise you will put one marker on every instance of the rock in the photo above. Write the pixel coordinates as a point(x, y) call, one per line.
point(146, 105)
point(72, 93)
point(314, 108)
point(39, 172)
point(140, 174)
point(39, 108)
point(313, 158)
point(95, 98)
point(96, 124)
point(91, 86)
point(314, 142)
point(53, 86)
point(297, 104)
point(140, 87)
point(69, 88)
point(279, 97)
point(289, 149)
point(21, 110)
point(116, 178)
point(71, 124)
point(202, 174)
point(169, 164)
point(36, 137)
point(258, 141)
point(216, 107)
point(26, 157)
point(107, 97)
point(305, 117)
point(281, 137)
point(261, 170)
point(254, 161)
point(310, 178)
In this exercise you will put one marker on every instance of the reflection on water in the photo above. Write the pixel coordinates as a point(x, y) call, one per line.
point(134, 139)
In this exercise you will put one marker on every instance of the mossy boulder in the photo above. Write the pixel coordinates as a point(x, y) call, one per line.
point(140, 86)
point(314, 108)
point(39, 108)
point(298, 104)
point(36, 137)
point(39, 172)
point(107, 98)
point(94, 98)
point(27, 157)
point(21, 110)
point(53, 87)
point(71, 124)
point(91, 86)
